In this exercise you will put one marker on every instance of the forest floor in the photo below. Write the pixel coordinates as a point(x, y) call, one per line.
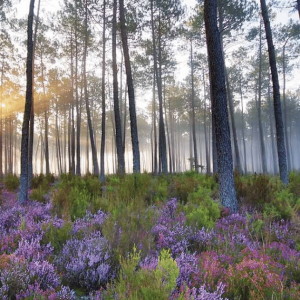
point(149, 237)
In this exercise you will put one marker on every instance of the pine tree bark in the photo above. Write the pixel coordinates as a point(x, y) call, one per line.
point(31, 124)
point(193, 111)
point(25, 127)
point(271, 115)
point(283, 170)
point(260, 129)
point(131, 98)
point(219, 107)
point(288, 155)
point(235, 141)
point(119, 144)
point(103, 122)
point(161, 126)
point(91, 130)
point(243, 130)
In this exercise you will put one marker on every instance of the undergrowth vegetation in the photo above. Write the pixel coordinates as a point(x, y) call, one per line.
point(146, 237)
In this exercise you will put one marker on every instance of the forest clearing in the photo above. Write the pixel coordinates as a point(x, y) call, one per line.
point(156, 154)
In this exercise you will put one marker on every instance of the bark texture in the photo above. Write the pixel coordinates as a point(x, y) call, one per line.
point(283, 170)
point(219, 107)
point(131, 98)
point(25, 127)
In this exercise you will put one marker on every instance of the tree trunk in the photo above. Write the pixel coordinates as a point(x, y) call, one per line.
point(131, 99)
point(271, 115)
point(102, 153)
point(260, 129)
point(119, 144)
point(276, 95)
point(161, 127)
point(235, 142)
point(193, 111)
point(25, 127)
point(91, 130)
point(243, 131)
point(207, 156)
point(31, 125)
point(285, 110)
point(219, 107)
point(154, 127)
point(78, 111)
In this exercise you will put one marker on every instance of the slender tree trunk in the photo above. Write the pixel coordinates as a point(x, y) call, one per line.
point(271, 115)
point(298, 7)
point(119, 144)
point(162, 135)
point(31, 125)
point(235, 142)
point(193, 111)
point(154, 126)
point(243, 130)
point(219, 107)
point(25, 127)
point(102, 153)
point(167, 129)
point(283, 170)
point(91, 130)
point(207, 156)
point(285, 110)
point(260, 129)
point(131, 98)
point(78, 111)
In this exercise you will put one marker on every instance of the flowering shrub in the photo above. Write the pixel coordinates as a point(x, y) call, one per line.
point(255, 277)
point(85, 263)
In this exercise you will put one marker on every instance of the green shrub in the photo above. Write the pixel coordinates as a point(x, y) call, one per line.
point(11, 182)
point(256, 190)
point(128, 225)
point(144, 284)
point(281, 207)
point(201, 210)
point(56, 236)
point(294, 185)
point(38, 194)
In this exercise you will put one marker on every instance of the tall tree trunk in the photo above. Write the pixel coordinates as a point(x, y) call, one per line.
point(78, 111)
point(243, 129)
point(102, 153)
point(288, 155)
point(161, 127)
point(207, 156)
point(219, 107)
point(231, 109)
point(298, 7)
point(193, 111)
point(119, 144)
point(31, 125)
point(154, 126)
point(283, 170)
point(260, 129)
point(131, 99)
point(72, 117)
point(25, 127)
point(46, 121)
point(91, 130)
point(271, 115)
point(167, 129)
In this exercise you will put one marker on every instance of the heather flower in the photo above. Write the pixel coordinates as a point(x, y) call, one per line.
point(35, 292)
point(85, 262)
point(188, 269)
